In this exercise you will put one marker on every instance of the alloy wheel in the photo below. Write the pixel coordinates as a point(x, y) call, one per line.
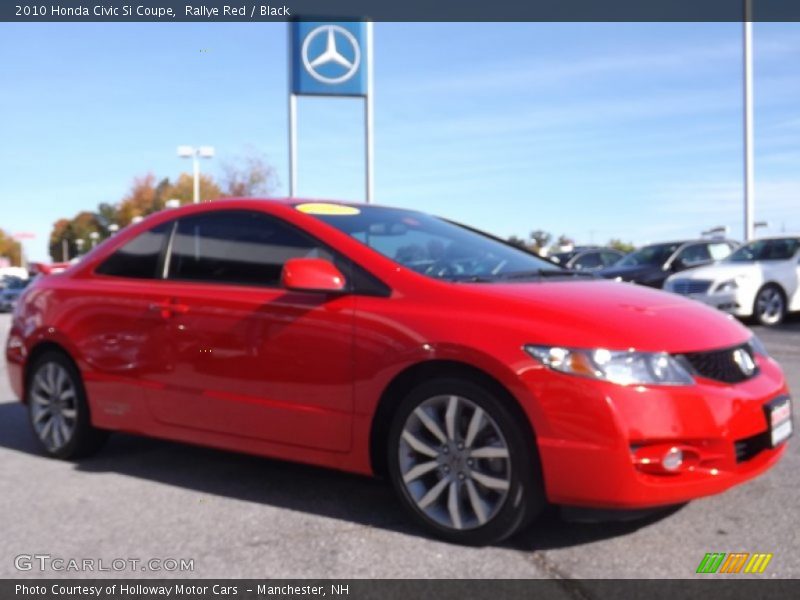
point(54, 406)
point(770, 306)
point(454, 462)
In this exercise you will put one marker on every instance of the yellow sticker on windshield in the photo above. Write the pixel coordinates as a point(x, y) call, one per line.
point(324, 208)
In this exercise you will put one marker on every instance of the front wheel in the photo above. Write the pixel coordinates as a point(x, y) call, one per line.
point(58, 410)
point(770, 306)
point(462, 465)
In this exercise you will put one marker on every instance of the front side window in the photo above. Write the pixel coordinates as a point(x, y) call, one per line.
point(237, 247)
point(694, 254)
point(433, 246)
point(590, 260)
point(611, 258)
point(140, 258)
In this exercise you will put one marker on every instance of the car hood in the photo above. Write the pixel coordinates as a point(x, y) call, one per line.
point(607, 314)
point(718, 271)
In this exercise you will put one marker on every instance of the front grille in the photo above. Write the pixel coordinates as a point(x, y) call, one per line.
point(691, 286)
point(721, 365)
point(751, 447)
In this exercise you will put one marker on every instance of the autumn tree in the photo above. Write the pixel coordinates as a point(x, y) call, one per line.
point(183, 190)
point(10, 249)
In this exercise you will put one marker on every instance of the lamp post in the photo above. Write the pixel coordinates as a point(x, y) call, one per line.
point(196, 154)
point(94, 236)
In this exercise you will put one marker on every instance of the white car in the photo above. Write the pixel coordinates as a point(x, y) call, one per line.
point(760, 279)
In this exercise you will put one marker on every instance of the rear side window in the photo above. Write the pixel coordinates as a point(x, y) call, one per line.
point(237, 247)
point(140, 258)
point(719, 251)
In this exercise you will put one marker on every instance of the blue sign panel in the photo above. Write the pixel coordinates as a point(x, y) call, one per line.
point(329, 58)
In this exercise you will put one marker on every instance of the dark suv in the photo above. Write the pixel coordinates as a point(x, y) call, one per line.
point(651, 265)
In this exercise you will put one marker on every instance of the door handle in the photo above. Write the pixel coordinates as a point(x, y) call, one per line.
point(169, 308)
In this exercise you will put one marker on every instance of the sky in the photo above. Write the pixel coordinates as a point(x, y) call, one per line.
point(593, 130)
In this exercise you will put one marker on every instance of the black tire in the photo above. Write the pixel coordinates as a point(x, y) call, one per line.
point(769, 307)
point(84, 438)
point(524, 496)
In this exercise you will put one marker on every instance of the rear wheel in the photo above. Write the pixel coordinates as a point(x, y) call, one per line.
point(461, 464)
point(58, 410)
point(770, 306)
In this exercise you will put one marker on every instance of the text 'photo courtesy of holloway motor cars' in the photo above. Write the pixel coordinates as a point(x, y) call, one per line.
point(483, 381)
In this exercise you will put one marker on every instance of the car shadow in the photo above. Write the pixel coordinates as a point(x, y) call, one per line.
point(313, 490)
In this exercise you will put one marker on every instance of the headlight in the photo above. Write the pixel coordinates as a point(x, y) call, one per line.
point(625, 367)
point(757, 346)
point(731, 285)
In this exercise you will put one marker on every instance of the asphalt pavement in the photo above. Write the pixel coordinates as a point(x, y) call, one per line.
point(242, 516)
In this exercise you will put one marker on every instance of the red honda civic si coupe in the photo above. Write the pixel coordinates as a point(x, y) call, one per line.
point(481, 379)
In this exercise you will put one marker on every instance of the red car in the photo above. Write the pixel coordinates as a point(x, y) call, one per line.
point(481, 379)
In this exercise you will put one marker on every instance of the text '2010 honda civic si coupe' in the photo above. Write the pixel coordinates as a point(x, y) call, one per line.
point(482, 380)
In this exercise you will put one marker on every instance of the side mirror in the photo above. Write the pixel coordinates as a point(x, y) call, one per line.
point(312, 275)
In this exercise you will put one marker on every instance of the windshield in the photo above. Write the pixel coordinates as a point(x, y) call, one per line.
point(432, 246)
point(781, 249)
point(654, 255)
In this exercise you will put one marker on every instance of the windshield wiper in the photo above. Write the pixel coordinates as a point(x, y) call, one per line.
point(545, 273)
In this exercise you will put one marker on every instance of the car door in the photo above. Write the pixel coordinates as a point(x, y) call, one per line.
point(251, 359)
point(116, 333)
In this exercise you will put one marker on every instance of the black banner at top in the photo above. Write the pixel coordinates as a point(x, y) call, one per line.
point(166, 11)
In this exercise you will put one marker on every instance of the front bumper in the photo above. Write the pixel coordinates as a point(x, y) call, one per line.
point(592, 436)
point(730, 302)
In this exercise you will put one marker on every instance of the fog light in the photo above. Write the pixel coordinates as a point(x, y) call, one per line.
point(673, 459)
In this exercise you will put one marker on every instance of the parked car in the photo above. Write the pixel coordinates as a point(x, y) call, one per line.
point(761, 279)
point(483, 381)
point(12, 288)
point(587, 258)
point(651, 265)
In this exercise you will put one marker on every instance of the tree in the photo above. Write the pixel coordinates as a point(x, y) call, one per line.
point(10, 249)
point(250, 175)
point(540, 240)
point(517, 241)
point(621, 246)
point(139, 202)
point(183, 190)
point(563, 240)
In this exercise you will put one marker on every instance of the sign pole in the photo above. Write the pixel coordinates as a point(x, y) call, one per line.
point(749, 183)
point(292, 145)
point(292, 118)
point(368, 122)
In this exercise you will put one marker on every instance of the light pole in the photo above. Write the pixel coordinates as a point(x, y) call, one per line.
point(94, 236)
point(196, 154)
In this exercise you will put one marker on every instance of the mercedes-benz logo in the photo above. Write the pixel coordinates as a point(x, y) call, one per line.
point(746, 364)
point(331, 54)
